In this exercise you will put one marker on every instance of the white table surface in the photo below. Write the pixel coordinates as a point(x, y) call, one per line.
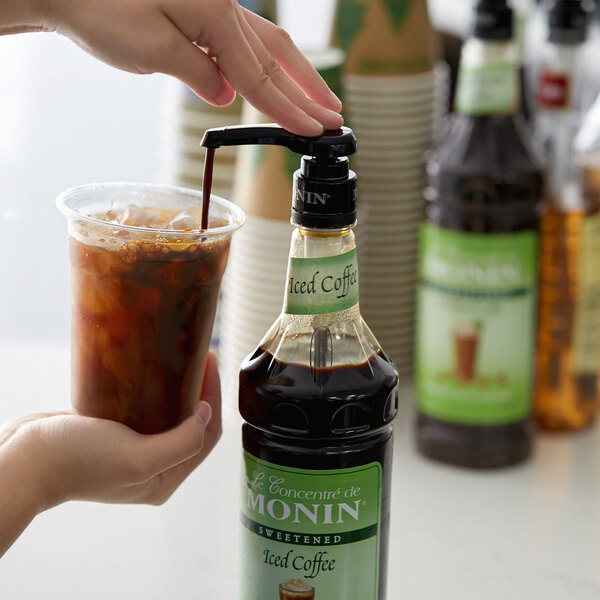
point(531, 531)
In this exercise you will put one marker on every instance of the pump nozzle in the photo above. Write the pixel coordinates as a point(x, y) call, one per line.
point(332, 144)
point(324, 186)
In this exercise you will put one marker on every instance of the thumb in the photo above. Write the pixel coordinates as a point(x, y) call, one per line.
point(163, 451)
point(166, 450)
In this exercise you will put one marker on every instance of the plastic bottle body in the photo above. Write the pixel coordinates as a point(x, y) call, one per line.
point(478, 273)
point(318, 397)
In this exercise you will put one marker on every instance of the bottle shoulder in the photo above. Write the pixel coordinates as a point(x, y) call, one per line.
point(485, 145)
point(317, 402)
point(485, 175)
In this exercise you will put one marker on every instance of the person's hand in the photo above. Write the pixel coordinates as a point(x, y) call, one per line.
point(182, 37)
point(47, 459)
point(84, 458)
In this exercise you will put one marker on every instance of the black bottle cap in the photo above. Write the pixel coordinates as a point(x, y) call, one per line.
point(493, 20)
point(568, 21)
point(324, 187)
point(324, 193)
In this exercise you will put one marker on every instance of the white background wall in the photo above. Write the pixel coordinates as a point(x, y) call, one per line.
point(65, 119)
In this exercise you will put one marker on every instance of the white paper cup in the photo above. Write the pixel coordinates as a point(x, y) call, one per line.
point(368, 145)
point(368, 97)
point(392, 213)
point(399, 84)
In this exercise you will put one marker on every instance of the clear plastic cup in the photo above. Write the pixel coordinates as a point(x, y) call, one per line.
point(143, 298)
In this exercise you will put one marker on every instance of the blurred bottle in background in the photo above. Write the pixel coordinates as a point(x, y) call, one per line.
point(523, 9)
point(568, 352)
point(478, 263)
point(559, 86)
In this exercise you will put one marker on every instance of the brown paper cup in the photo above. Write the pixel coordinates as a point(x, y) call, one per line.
point(385, 37)
point(264, 174)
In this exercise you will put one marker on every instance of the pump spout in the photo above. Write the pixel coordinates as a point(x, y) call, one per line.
point(332, 144)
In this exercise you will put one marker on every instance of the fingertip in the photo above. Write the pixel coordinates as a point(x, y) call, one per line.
point(204, 411)
point(334, 103)
point(225, 97)
point(312, 128)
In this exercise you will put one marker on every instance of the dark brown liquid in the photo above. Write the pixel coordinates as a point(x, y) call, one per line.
point(141, 324)
point(525, 99)
point(324, 418)
point(484, 177)
point(207, 178)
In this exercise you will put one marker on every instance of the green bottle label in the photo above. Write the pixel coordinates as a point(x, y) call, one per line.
point(321, 285)
point(476, 325)
point(486, 90)
point(315, 532)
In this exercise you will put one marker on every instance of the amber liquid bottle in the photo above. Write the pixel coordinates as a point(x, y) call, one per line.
point(567, 358)
point(568, 350)
point(478, 264)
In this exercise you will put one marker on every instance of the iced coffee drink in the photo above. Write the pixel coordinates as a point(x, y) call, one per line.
point(144, 288)
point(296, 589)
point(466, 340)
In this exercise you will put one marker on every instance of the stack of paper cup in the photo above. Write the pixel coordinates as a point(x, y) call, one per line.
point(394, 97)
point(185, 119)
point(255, 278)
point(254, 284)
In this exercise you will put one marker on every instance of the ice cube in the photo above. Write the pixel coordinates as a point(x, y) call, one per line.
point(111, 216)
point(195, 211)
point(182, 222)
point(140, 217)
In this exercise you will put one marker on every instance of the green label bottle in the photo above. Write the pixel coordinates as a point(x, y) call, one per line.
point(478, 264)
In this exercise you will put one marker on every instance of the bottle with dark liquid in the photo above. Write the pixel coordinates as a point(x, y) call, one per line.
point(318, 397)
point(478, 264)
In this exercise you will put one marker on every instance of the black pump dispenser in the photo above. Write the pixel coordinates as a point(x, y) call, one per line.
point(324, 195)
point(568, 21)
point(493, 20)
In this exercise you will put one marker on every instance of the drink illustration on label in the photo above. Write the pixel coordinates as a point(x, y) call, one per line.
point(296, 589)
point(479, 294)
point(318, 396)
point(466, 340)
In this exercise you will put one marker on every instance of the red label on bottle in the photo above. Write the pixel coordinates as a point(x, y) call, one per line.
point(553, 90)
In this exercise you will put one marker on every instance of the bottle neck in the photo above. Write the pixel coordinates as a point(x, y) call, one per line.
point(487, 78)
point(308, 242)
point(557, 76)
point(521, 16)
point(322, 273)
